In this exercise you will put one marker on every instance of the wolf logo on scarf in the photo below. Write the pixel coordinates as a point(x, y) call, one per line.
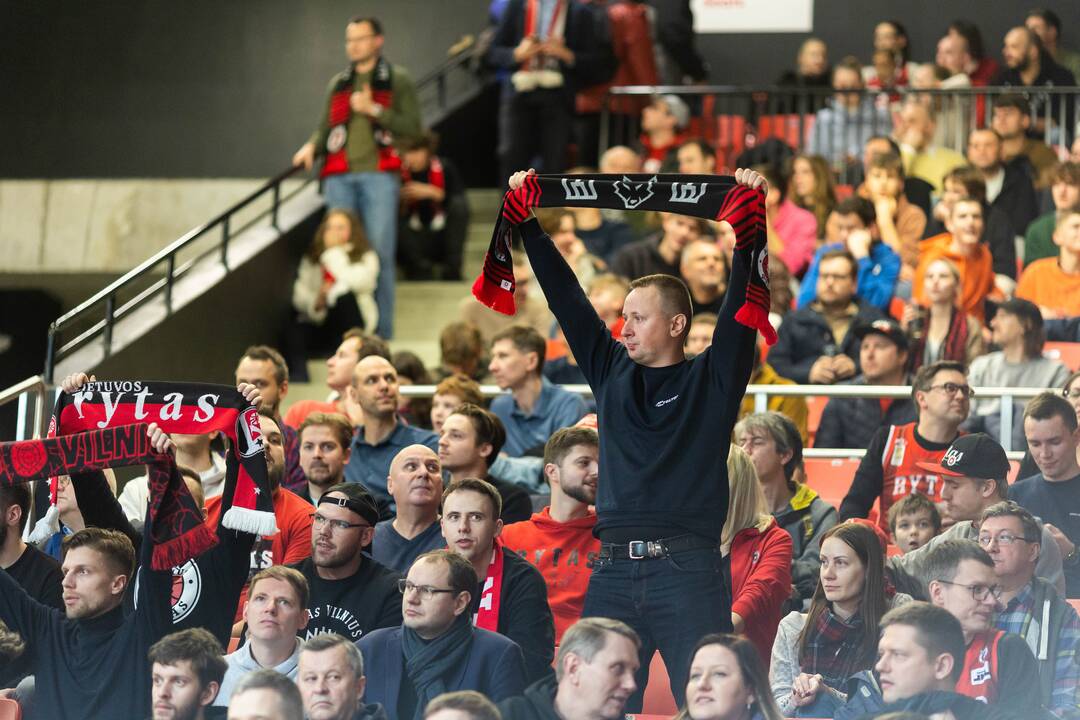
point(634, 193)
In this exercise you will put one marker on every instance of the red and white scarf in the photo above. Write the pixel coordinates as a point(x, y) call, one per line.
point(340, 113)
point(487, 616)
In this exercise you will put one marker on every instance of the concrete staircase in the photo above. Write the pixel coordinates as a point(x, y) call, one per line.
point(423, 308)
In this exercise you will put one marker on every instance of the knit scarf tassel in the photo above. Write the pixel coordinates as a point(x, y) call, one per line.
point(711, 197)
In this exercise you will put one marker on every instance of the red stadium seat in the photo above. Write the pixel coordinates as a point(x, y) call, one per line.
point(785, 128)
point(1014, 470)
point(234, 644)
point(10, 710)
point(730, 140)
point(815, 405)
point(658, 698)
point(830, 478)
point(1075, 602)
point(1067, 352)
point(843, 192)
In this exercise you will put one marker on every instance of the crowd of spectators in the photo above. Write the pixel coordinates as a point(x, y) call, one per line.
point(443, 559)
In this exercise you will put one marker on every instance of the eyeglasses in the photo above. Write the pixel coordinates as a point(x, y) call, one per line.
point(979, 593)
point(426, 591)
point(1071, 394)
point(953, 389)
point(1004, 539)
point(318, 520)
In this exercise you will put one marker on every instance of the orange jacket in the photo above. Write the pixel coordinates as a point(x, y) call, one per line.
point(976, 273)
point(564, 554)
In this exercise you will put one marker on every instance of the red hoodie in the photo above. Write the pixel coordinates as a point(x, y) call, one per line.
point(564, 554)
point(761, 582)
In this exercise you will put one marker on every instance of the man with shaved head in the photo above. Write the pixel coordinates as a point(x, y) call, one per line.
point(415, 483)
point(382, 434)
point(351, 594)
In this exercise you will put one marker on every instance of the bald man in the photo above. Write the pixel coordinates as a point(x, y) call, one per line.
point(415, 482)
point(351, 594)
point(382, 434)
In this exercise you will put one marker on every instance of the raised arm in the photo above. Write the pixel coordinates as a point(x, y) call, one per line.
point(866, 487)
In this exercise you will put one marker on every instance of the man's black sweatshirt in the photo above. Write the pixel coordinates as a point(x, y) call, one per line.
point(354, 606)
point(97, 667)
point(665, 431)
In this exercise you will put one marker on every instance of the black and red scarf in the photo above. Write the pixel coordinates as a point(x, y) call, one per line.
point(186, 408)
point(174, 524)
point(712, 197)
point(436, 176)
point(340, 113)
point(953, 347)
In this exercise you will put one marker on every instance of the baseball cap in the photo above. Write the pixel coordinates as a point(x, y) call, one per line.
point(356, 499)
point(976, 455)
point(889, 328)
point(678, 108)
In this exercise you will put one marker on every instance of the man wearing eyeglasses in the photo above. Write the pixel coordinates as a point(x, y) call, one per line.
point(351, 594)
point(1053, 495)
point(998, 667)
point(974, 475)
point(437, 649)
point(1031, 607)
point(891, 468)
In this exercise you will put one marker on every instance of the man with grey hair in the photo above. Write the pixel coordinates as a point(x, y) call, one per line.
point(331, 680)
point(266, 695)
point(775, 448)
point(594, 675)
point(999, 668)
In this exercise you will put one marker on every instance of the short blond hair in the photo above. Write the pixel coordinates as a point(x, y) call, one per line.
point(285, 574)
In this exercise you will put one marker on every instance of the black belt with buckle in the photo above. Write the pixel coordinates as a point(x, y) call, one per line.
point(653, 549)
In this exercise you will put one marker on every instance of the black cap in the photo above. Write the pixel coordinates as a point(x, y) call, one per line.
point(889, 328)
point(977, 455)
point(357, 499)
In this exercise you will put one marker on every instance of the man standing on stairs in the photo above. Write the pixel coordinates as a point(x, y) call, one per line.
point(371, 106)
point(662, 495)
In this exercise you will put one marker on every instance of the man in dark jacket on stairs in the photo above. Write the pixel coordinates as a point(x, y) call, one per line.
point(584, 686)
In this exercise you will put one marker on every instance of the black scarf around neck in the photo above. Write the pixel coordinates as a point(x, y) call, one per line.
point(429, 662)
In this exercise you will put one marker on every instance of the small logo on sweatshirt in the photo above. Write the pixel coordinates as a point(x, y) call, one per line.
point(662, 403)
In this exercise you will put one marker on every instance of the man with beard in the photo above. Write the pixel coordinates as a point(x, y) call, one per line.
point(324, 451)
point(415, 482)
point(90, 660)
point(291, 543)
point(1027, 64)
point(351, 594)
point(559, 540)
point(186, 670)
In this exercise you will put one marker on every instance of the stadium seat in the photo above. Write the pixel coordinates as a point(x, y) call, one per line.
point(658, 699)
point(830, 477)
point(786, 128)
point(1067, 352)
point(1075, 602)
point(730, 139)
point(234, 643)
point(843, 192)
point(1014, 470)
point(815, 405)
point(9, 709)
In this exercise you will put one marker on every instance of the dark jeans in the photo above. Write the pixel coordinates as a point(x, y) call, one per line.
point(420, 251)
point(540, 125)
point(670, 602)
point(304, 340)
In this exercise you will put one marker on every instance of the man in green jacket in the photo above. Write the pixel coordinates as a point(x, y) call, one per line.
point(371, 106)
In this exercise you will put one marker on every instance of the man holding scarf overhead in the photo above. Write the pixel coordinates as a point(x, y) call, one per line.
point(665, 421)
point(370, 106)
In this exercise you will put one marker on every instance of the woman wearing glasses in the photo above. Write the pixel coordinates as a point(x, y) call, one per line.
point(815, 653)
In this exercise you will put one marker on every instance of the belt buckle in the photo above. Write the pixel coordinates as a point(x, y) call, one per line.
point(642, 549)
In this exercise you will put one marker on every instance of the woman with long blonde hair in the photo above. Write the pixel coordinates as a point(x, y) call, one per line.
point(757, 557)
point(812, 187)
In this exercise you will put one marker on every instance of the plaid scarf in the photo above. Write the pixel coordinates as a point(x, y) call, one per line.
point(174, 524)
point(705, 196)
point(833, 649)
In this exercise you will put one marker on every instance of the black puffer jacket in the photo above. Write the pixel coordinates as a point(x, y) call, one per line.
point(805, 335)
point(849, 422)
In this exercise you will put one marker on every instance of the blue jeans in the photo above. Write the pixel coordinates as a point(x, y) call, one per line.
point(670, 602)
point(374, 197)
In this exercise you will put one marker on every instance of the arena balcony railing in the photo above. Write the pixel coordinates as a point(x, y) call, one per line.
point(734, 118)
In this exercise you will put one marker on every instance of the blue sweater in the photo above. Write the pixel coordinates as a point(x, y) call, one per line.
point(877, 277)
point(664, 431)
